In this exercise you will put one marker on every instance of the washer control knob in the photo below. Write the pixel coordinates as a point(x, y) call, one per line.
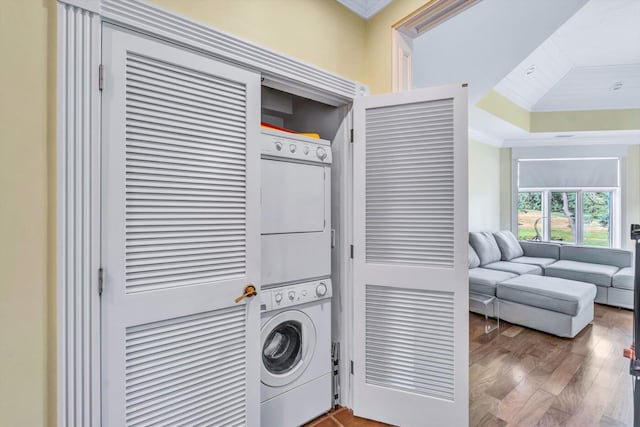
point(278, 297)
point(305, 149)
point(321, 289)
point(292, 295)
point(278, 145)
point(292, 148)
point(321, 153)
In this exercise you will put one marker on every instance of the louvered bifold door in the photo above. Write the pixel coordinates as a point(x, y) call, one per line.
point(180, 237)
point(410, 258)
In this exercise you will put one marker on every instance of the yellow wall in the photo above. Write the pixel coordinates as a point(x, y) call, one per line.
point(501, 106)
point(320, 32)
point(24, 48)
point(592, 120)
point(559, 121)
point(378, 43)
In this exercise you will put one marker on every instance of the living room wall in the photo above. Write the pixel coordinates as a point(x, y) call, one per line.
point(484, 187)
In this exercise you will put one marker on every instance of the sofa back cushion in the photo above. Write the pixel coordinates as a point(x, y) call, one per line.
point(541, 249)
point(508, 244)
point(474, 261)
point(617, 257)
point(485, 246)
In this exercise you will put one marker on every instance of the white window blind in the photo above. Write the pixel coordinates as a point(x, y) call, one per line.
point(568, 173)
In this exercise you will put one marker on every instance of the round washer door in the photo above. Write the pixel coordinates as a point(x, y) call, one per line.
point(288, 342)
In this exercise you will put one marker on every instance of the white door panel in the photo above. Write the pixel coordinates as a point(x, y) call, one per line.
point(410, 258)
point(180, 237)
point(293, 197)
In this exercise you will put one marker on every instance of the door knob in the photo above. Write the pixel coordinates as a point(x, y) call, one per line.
point(249, 291)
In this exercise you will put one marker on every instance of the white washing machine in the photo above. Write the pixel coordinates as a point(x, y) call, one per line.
point(296, 353)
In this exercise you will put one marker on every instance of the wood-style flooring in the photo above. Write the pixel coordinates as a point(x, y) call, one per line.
point(342, 417)
point(521, 377)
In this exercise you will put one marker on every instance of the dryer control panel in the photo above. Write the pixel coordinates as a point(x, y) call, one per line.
point(296, 294)
point(295, 147)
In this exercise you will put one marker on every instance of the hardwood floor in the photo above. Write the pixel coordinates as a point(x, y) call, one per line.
point(343, 417)
point(521, 377)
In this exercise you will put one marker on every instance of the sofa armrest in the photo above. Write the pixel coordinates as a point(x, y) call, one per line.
point(607, 256)
point(540, 249)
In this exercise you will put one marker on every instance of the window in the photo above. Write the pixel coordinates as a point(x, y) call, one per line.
point(596, 218)
point(530, 215)
point(562, 217)
point(570, 200)
point(581, 217)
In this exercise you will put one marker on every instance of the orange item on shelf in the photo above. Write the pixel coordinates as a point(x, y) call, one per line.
point(268, 126)
point(274, 127)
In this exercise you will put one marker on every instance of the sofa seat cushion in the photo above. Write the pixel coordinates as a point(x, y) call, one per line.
point(514, 267)
point(549, 293)
point(623, 279)
point(540, 262)
point(484, 281)
point(598, 274)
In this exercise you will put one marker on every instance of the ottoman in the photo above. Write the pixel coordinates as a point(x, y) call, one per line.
point(557, 306)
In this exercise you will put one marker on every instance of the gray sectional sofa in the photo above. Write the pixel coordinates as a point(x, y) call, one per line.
point(547, 286)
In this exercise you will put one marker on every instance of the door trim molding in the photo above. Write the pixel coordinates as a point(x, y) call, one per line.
point(78, 216)
point(167, 25)
point(407, 29)
point(79, 172)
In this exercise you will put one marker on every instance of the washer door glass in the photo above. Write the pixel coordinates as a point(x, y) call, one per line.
point(288, 345)
point(282, 350)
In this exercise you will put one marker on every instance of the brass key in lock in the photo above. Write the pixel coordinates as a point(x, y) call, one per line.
point(249, 291)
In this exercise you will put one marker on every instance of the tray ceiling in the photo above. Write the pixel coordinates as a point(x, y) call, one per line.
point(592, 62)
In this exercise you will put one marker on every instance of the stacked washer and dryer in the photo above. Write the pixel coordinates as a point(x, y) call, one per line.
point(296, 285)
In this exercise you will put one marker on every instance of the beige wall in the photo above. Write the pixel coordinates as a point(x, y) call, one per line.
point(24, 30)
point(484, 187)
point(505, 188)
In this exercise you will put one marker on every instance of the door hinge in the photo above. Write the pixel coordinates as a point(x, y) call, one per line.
point(335, 358)
point(100, 280)
point(351, 367)
point(100, 77)
point(351, 135)
point(351, 249)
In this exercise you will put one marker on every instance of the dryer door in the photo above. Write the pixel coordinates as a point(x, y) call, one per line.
point(293, 197)
point(288, 343)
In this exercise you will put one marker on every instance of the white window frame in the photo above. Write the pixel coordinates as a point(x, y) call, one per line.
point(615, 218)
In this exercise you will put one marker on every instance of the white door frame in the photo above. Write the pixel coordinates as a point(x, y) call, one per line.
point(78, 166)
point(406, 30)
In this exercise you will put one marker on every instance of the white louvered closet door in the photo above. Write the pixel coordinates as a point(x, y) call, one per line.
point(410, 258)
point(180, 214)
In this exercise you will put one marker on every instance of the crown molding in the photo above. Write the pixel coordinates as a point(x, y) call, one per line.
point(365, 8)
